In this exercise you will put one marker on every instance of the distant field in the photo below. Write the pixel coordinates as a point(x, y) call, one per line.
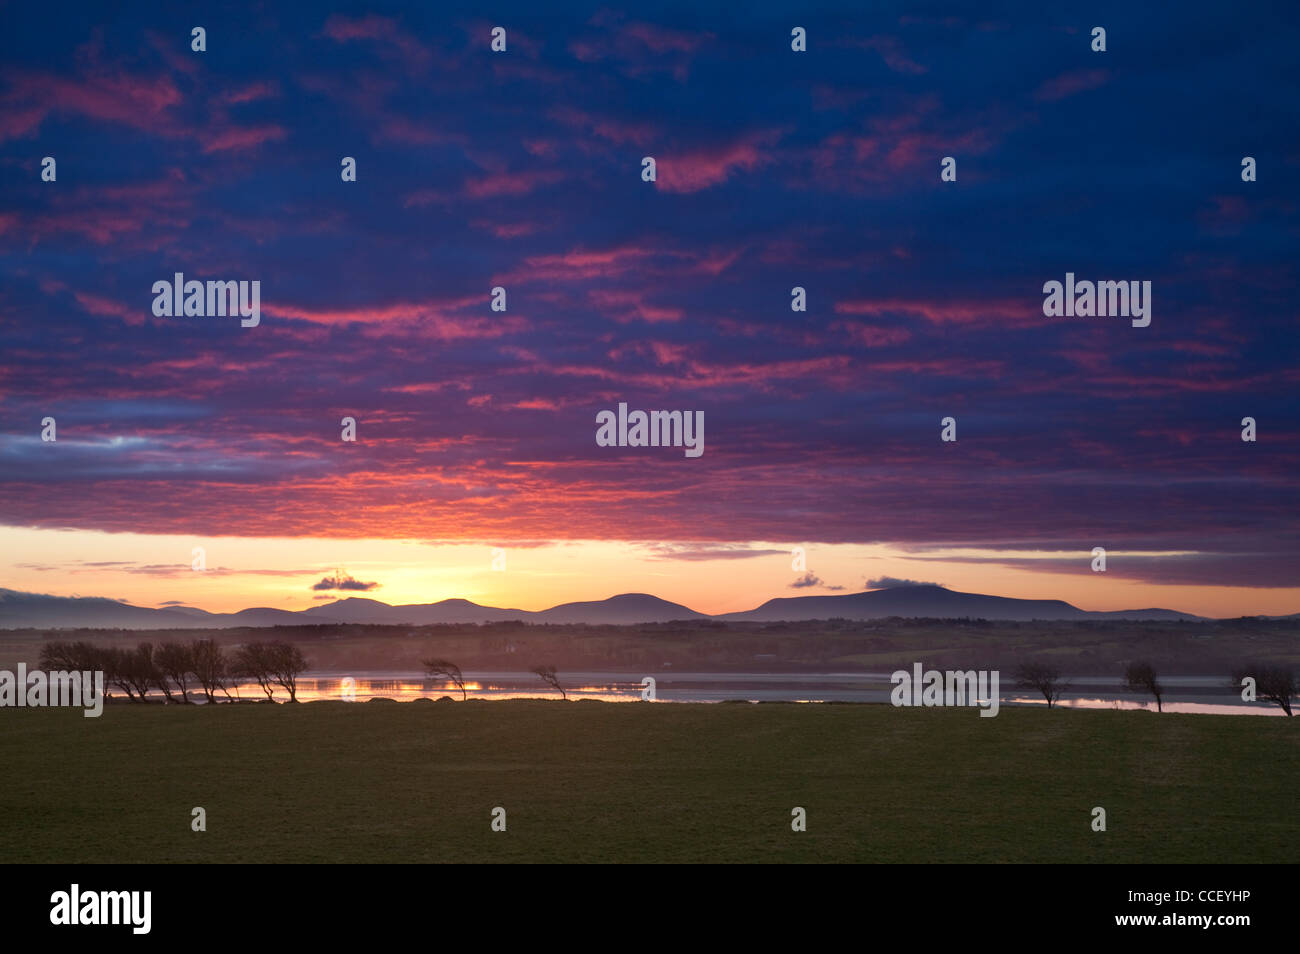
point(589, 781)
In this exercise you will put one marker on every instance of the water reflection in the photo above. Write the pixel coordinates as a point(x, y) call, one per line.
point(1187, 694)
point(1204, 708)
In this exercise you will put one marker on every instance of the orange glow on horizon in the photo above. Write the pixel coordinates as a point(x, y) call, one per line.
point(154, 571)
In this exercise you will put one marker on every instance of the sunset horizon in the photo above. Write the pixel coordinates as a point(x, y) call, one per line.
point(711, 578)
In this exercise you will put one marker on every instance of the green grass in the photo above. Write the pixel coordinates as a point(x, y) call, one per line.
point(585, 781)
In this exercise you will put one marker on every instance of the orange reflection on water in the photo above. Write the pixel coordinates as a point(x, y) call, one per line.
point(408, 690)
point(1197, 708)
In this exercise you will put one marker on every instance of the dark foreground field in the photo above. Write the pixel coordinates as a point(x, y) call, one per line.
point(588, 781)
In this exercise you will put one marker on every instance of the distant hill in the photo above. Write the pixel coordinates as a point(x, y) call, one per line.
point(626, 608)
point(19, 610)
point(23, 610)
point(360, 610)
point(929, 600)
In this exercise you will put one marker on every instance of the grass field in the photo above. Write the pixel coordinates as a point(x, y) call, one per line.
point(589, 781)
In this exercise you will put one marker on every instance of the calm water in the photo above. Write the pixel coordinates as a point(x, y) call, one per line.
point(1204, 694)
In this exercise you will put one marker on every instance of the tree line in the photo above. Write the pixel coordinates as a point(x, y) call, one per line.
point(177, 669)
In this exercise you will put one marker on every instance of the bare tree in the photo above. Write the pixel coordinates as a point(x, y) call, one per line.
point(160, 678)
point(286, 662)
point(140, 669)
point(81, 656)
point(116, 664)
point(175, 663)
point(549, 677)
point(1273, 683)
point(209, 666)
point(69, 657)
point(435, 668)
point(1140, 676)
point(253, 662)
point(56, 655)
point(1040, 677)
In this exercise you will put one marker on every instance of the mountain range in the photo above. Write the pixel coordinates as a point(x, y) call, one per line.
point(34, 610)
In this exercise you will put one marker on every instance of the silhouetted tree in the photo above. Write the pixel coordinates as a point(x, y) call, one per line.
point(253, 661)
point(447, 670)
point(209, 666)
point(1042, 678)
point(175, 662)
point(1141, 677)
point(549, 677)
point(81, 656)
point(56, 655)
point(140, 669)
point(286, 662)
point(1273, 683)
point(116, 664)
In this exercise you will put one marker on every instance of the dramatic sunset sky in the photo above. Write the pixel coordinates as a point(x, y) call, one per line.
point(523, 169)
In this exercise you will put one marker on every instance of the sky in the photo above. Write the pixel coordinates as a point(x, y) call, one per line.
point(523, 169)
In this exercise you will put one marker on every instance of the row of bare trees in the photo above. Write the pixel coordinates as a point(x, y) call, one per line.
point(1273, 683)
point(177, 669)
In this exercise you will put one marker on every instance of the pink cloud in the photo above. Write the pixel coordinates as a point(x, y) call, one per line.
point(386, 33)
point(399, 129)
point(714, 263)
point(617, 131)
point(235, 137)
point(985, 369)
point(117, 97)
point(836, 371)
point(663, 40)
point(106, 214)
point(438, 319)
point(510, 183)
point(101, 226)
point(16, 123)
point(872, 336)
point(145, 103)
point(1002, 311)
point(640, 48)
point(628, 304)
point(542, 148)
point(699, 169)
point(99, 305)
point(661, 352)
point(894, 143)
point(248, 94)
point(422, 197)
point(1067, 84)
point(582, 264)
point(666, 353)
point(508, 230)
